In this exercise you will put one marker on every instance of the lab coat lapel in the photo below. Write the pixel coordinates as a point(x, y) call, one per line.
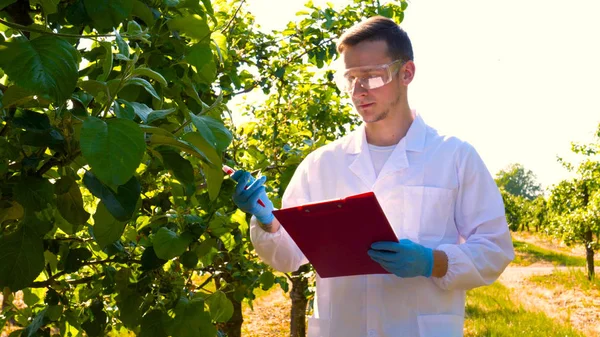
point(413, 141)
point(361, 165)
point(397, 161)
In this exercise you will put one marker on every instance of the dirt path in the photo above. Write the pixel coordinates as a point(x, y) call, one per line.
point(270, 317)
point(569, 305)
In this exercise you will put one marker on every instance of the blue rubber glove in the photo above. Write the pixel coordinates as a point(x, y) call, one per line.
point(404, 258)
point(247, 198)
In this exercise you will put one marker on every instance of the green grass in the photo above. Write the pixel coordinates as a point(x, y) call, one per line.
point(572, 278)
point(531, 254)
point(490, 312)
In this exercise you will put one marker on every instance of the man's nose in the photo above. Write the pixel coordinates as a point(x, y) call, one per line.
point(357, 89)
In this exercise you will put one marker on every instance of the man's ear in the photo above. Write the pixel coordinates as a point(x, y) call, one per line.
point(407, 72)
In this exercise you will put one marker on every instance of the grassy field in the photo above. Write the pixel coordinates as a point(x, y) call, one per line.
point(572, 278)
point(528, 254)
point(492, 311)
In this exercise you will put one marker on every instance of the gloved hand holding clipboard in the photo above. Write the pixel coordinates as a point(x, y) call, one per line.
point(336, 235)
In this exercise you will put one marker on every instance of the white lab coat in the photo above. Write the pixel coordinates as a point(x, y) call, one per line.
point(434, 190)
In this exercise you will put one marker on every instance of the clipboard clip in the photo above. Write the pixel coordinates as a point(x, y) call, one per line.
point(322, 209)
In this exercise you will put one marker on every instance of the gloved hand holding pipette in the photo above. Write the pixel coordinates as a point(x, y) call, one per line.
point(250, 196)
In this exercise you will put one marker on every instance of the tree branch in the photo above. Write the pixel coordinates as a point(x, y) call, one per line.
point(50, 281)
point(54, 161)
point(206, 282)
point(41, 31)
point(233, 18)
point(295, 58)
point(4, 130)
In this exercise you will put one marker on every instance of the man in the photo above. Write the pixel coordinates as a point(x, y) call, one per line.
point(435, 190)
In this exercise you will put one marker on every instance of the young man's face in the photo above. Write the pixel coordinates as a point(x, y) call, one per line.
point(377, 104)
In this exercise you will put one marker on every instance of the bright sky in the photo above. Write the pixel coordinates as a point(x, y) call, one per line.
point(519, 80)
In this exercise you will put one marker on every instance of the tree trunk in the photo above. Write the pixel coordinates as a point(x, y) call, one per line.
point(299, 302)
point(233, 327)
point(589, 252)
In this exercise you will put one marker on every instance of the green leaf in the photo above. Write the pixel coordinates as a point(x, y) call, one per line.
point(34, 193)
point(38, 223)
point(11, 211)
point(200, 56)
point(220, 42)
point(150, 74)
point(114, 148)
point(107, 229)
point(190, 317)
point(96, 88)
point(221, 308)
point(54, 312)
point(142, 11)
point(205, 247)
point(31, 120)
point(213, 131)
point(182, 168)
point(220, 225)
point(207, 328)
point(153, 324)
point(150, 261)
point(157, 131)
point(167, 244)
point(159, 114)
point(30, 297)
point(144, 84)
point(279, 72)
point(70, 201)
point(108, 61)
point(134, 28)
point(4, 3)
point(16, 96)
point(47, 65)
point(189, 259)
point(159, 138)
point(121, 44)
point(121, 204)
point(267, 279)
point(64, 225)
point(193, 26)
point(32, 329)
point(203, 128)
point(126, 111)
point(140, 109)
point(213, 173)
point(21, 258)
point(108, 14)
point(76, 14)
point(49, 6)
point(76, 258)
point(129, 302)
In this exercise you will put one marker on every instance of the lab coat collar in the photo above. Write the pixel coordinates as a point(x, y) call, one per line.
point(362, 165)
point(413, 141)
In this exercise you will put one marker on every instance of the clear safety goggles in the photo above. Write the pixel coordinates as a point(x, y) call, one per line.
point(369, 77)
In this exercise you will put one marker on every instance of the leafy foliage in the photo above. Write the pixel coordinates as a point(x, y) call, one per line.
point(575, 204)
point(518, 181)
point(114, 210)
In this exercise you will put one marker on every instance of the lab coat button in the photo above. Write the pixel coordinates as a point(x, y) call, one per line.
point(373, 333)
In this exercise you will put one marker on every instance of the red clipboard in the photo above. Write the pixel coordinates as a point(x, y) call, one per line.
point(335, 235)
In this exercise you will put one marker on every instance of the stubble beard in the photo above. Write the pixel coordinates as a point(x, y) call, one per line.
point(382, 115)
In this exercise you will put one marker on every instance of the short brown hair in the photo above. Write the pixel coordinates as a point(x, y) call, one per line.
point(379, 28)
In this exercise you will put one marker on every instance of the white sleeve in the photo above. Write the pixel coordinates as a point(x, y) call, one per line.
point(479, 215)
point(278, 250)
